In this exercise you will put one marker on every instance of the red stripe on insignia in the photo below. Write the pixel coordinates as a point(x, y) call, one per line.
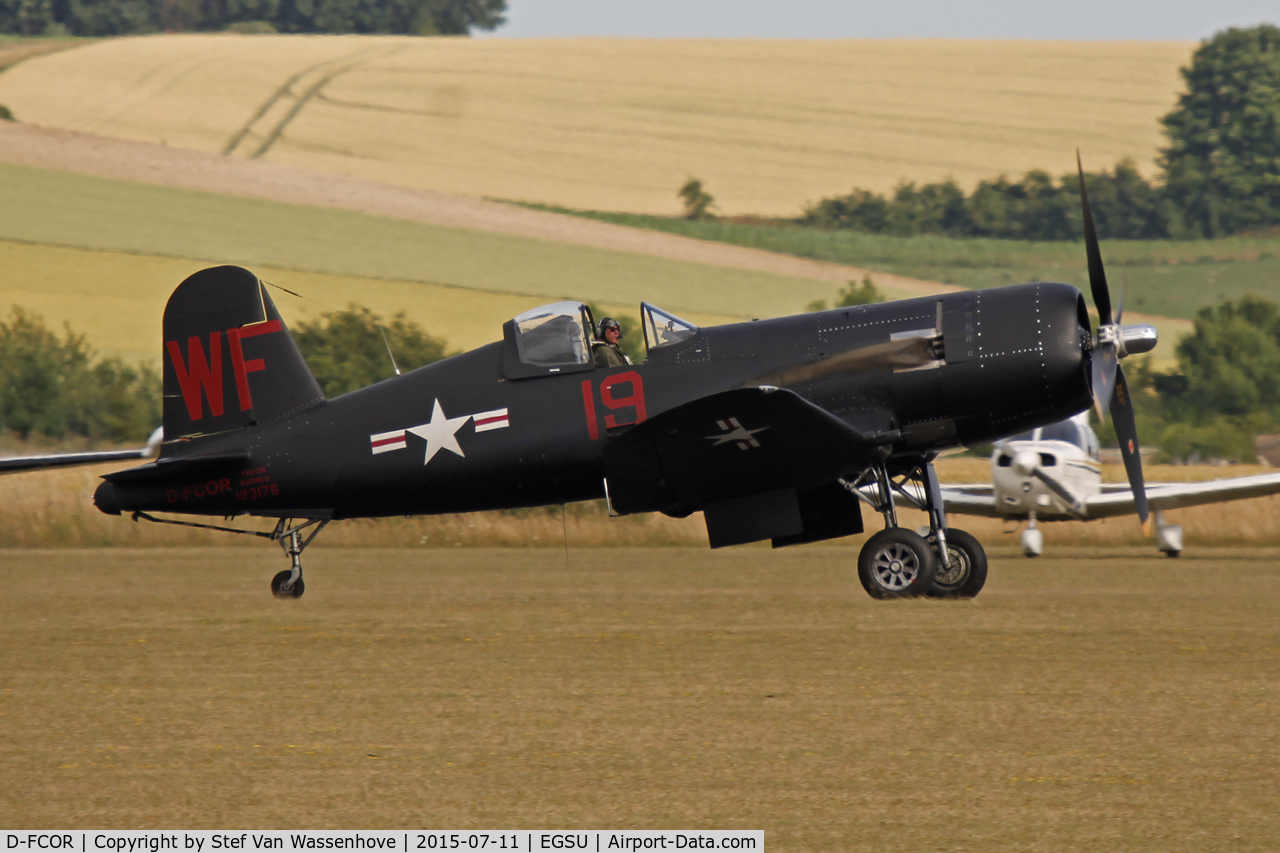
point(386, 441)
point(493, 420)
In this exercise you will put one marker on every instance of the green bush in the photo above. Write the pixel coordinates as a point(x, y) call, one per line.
point(1225, 392)
point(53, 386)
point(855, 293)
point(346, 350)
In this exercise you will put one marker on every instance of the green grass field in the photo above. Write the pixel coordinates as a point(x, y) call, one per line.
point(1105, 702)
point(1168, 278)
point(143, 239)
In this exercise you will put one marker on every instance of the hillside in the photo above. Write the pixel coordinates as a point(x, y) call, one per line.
point(104, 255)
point(611, 124)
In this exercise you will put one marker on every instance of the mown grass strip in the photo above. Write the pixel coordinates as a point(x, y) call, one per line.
point(56, 208)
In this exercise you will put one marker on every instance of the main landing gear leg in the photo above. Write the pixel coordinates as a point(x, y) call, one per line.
point(962, 569)
point(951, 564)
point(289, 584)
point(894, 563)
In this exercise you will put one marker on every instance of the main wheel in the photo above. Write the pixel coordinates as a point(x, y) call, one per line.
point(278, 586)
point(967, 574)
point(896, 563)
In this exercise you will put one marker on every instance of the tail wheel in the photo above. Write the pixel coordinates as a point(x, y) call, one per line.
point(896, 563)
point(967, 574)
point(280, 590)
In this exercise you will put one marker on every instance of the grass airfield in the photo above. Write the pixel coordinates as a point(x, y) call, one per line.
point(1085, 701)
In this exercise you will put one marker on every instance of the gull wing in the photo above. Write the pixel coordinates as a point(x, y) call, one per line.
point(735, 443)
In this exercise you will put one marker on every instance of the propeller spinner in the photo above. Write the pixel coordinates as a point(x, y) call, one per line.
point(1113, 343)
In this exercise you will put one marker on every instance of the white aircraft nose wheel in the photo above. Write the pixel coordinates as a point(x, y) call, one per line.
point(896, 563)
point(967, 574)
point(281, 588)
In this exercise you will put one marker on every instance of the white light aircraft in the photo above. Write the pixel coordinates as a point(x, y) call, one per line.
point(1053, 474)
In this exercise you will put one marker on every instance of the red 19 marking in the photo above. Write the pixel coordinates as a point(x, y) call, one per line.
point(611, 399)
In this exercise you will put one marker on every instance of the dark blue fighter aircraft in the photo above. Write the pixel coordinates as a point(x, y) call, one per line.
point(768, 428)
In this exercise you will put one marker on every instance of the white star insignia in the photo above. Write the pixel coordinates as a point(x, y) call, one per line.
point(440, 433)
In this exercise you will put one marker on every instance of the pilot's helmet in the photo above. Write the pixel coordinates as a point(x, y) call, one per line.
point(609, 323)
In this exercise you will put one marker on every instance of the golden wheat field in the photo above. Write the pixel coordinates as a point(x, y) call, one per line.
point(1112, 701)
point(619, 124)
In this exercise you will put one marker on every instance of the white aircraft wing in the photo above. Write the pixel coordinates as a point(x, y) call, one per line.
point(963, 499)
point(1175, 495)
point(976, 499)
point(14, 464)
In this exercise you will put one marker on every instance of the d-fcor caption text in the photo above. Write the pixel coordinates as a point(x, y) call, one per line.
point(398, 841)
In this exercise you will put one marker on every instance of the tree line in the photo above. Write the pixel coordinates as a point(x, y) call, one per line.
point(1224, 391)
point(1218, 175)
point(120, 17)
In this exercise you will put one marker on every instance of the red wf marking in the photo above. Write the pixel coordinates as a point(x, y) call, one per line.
point(634, 400)
point(200, 377)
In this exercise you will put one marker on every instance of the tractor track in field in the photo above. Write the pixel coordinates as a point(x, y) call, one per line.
point(149, 163)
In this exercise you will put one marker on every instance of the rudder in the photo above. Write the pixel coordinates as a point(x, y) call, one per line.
point(229, 360)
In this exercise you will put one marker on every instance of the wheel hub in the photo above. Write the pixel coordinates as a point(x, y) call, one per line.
point(955, 574)
point(896, 567)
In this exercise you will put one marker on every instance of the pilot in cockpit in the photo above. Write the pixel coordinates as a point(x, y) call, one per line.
point(605, 346)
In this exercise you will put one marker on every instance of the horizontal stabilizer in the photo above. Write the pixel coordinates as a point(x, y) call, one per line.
point(14, 464)
point(179, 466)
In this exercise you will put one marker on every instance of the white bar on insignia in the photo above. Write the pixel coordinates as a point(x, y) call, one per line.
point(485, 421)
point(384, 441)
point(391, 841)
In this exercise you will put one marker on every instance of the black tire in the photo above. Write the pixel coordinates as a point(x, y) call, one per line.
point(967, 574)
point(896, 563)
point(1173, 554)
point(278, 582)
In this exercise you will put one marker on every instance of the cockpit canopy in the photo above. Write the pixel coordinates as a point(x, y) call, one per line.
point(555, 335)
point(662, 328)
point(557, 338)
point(1071, 431)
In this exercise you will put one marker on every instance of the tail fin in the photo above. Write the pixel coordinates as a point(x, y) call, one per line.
point(229, 361)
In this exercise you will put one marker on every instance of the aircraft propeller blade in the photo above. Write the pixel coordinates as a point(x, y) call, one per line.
point(1108, 377)
point(1130, 452)
point(1097, 274)
point(1105, 364)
